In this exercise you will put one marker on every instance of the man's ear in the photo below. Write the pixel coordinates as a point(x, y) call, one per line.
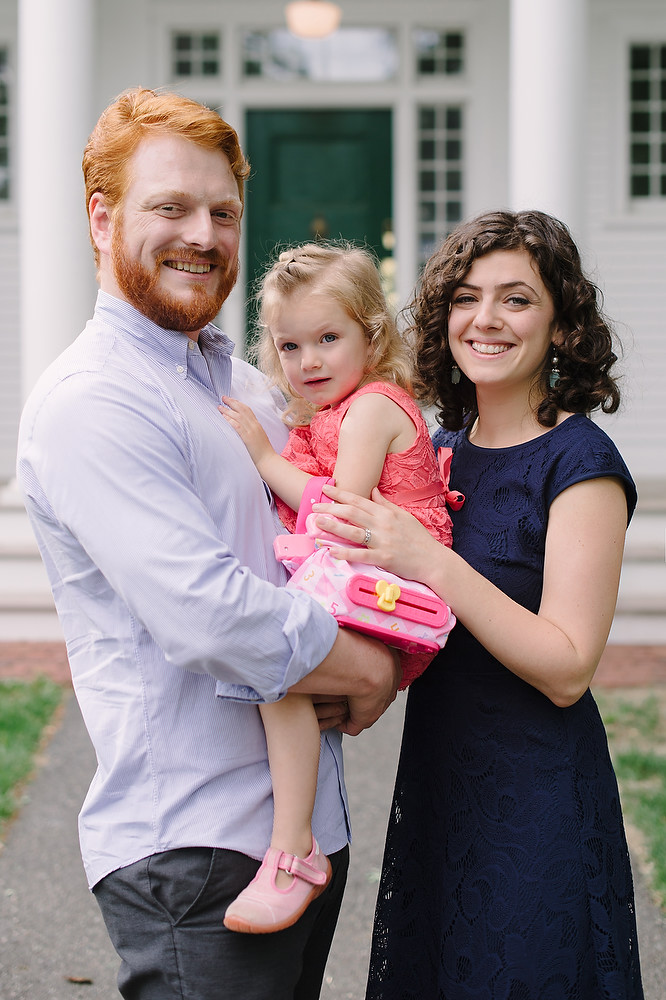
point(101, 222)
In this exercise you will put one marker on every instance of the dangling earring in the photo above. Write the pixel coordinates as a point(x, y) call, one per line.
point(455, 374)
point(554, 377)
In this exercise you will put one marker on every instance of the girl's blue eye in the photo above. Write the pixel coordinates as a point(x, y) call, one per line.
point(289, 346)
point(328, 338)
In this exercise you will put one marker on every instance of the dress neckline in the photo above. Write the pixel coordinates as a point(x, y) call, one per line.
point(530, 441)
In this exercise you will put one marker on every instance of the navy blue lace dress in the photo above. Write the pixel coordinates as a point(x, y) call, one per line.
point(506, 874)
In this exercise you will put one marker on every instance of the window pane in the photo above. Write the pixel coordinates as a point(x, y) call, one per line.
point(195, 54)
point(640, 57)
point(647, 119)
point(640, 121)
point(353, 55)
point(4, 124)
point(438, 53)
point(640, 90)
point(441, 177)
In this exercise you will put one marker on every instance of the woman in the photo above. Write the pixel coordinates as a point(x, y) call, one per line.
point(506, 872)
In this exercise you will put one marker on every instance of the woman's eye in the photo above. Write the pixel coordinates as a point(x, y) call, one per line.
point(463, 300)
point(518, 300)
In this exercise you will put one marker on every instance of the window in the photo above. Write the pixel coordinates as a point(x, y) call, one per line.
point(195, 54)
point(349, 55)
point(647, 121)
point(440, 174)
point(4, 124)
point(439, 53)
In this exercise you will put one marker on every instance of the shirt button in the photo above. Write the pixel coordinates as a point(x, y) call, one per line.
point(191, 346)
point(180, 369)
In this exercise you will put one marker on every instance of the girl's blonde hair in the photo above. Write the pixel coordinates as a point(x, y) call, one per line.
point(349, 275)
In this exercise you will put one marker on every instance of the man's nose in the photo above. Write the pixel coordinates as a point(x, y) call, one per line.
point(199, 230)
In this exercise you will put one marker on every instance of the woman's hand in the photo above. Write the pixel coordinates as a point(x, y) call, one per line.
point(397, 541)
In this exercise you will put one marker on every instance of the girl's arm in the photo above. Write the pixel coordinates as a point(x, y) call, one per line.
point(285, 479)
point(373, 426)
point(556, 650)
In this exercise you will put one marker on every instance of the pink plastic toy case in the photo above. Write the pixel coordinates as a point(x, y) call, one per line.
point(400, 612)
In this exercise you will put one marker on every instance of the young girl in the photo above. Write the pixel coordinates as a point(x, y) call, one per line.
point(330, 343)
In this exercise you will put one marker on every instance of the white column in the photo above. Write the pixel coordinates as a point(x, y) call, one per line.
point(55, 58)
point(547, 104)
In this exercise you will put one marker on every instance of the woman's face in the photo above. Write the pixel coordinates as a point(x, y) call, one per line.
point(502, 321)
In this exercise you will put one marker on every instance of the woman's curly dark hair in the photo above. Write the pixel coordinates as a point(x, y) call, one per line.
point(585, 354)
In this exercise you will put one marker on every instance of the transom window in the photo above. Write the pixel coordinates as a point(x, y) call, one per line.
point(647, 121)
point(4, 124)
point(349, 55)
point(440, 174)
point(195, 54)
point(439, 53)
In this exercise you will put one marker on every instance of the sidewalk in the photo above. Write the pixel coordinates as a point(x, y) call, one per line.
point(53, 945)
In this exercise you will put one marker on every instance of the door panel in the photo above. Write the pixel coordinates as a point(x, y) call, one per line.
point(325, 173)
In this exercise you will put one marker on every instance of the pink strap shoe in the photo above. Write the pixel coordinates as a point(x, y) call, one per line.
point(263, 908)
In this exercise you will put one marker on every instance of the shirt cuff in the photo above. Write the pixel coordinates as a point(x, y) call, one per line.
point(309, 633)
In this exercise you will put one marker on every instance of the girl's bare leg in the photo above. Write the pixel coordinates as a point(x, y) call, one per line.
point(293, 738)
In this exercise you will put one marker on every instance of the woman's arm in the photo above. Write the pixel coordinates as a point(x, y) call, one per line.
point(556, 650)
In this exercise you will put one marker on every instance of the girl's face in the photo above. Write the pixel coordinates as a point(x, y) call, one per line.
point(502, 321)
point(322, 350)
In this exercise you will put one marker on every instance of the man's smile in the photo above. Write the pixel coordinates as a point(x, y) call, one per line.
point(182, 265)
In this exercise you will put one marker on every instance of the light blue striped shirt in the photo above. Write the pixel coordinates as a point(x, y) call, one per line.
point(157, 534)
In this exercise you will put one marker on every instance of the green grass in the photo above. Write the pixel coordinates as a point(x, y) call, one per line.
point(636, 725)
point(25, 710)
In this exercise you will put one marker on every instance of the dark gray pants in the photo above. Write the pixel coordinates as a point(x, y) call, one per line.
point(164, 916)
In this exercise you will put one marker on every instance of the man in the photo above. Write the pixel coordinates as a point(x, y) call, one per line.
point(157, 534)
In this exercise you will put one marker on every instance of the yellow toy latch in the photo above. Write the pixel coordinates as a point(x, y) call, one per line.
point(387, 595)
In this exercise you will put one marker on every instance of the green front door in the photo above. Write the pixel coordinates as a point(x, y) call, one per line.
point(316, 174)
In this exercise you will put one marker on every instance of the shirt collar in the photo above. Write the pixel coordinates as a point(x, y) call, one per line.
point(122, 316)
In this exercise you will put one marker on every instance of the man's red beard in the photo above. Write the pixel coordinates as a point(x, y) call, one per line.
point(140, 286)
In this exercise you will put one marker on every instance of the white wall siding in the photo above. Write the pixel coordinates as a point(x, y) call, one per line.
point(627, 247)
point(10, 351)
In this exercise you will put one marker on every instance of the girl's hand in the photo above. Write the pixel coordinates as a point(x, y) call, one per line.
point(398, 542)
point(250, 431)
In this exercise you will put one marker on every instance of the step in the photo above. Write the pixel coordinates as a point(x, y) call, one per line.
point(638, 630)
point(29, 625)
point(19, 574)
point(646, 538)
point(643, 588)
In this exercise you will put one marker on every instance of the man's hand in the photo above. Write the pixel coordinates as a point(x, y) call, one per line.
point(355, 684)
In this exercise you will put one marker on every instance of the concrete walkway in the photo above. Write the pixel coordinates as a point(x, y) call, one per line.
point(52, 939)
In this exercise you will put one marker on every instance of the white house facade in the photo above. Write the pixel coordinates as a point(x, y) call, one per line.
point(410, 117)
